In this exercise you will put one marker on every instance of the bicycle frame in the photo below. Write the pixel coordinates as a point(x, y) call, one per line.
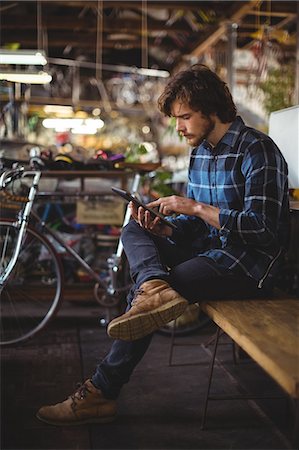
point(113, 261)
point(23, 219)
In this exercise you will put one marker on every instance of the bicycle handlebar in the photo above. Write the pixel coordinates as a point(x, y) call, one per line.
point(8, 176)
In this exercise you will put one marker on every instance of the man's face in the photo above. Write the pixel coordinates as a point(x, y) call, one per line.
point(193, 125)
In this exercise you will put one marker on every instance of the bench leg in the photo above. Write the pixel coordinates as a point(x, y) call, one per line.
point(172, 343)
point(211, 368)
point(295, 437)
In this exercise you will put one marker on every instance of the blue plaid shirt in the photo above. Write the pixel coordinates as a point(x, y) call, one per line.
point(245, 176)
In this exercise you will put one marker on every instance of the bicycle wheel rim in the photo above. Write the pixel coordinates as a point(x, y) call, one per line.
point(31, 295)
point(179, 327)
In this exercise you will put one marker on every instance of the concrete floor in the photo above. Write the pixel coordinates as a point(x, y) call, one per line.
point(161, 407)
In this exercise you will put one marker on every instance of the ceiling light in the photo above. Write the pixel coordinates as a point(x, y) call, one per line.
point(26, 77)
point(78, 126)
point(146, 129)
point(98, 123)
point(63, 123)
point(96, 111)
point(111, 67)
point(152, 72)
point(23, 57)
point(84, 129)
point(121, 37)
point(59, 110)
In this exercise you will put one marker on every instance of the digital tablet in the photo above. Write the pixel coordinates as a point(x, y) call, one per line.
point(130, 198)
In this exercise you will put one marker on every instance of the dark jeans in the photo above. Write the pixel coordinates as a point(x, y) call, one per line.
point(196, 278)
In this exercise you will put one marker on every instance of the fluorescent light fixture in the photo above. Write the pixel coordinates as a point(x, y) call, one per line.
point(84, 129)
point(26, 77)
point(111, 67)
point(23, 57)
point(152, 72)
point(97, 123)
point(77, 126)
point(59, 110)
point(62, 123)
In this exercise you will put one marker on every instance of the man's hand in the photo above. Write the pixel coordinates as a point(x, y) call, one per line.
point(188, 206)
point(175, 204)
point(145, 220)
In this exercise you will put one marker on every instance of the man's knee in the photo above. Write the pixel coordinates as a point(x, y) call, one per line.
point(131, 229)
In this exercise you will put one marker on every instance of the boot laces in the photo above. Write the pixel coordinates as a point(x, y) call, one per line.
point(136, 294)
point(80, 394)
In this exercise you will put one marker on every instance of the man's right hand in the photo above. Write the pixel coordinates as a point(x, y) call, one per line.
point(145, 220)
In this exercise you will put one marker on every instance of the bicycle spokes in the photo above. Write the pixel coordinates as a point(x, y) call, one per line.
point(32, 291)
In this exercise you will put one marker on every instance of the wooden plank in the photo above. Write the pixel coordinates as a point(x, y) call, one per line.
point(214, 36)
point(257, 12)
point(268, 330)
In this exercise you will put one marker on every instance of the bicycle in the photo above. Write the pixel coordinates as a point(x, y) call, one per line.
point(32, 274)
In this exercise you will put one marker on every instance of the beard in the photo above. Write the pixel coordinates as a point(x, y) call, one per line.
point(207, 128)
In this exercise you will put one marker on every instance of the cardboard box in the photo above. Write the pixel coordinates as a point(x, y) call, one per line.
point(103, 211)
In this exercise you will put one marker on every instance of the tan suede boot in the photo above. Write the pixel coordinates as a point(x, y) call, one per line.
point(154, 305)
point(86, 405)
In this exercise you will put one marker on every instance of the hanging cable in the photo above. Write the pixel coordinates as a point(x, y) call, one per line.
point(99, 41)
point(144, 35)
point(39, 25)
point(268, 21)
point(98, 82)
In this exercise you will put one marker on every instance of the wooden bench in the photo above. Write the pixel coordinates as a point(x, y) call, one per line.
point(268, 331)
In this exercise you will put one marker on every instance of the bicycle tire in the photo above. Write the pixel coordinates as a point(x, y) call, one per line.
point(191, 321)
point(32, 294)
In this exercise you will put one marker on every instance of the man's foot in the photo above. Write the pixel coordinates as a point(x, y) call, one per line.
point(154, 305)
point(86, 405)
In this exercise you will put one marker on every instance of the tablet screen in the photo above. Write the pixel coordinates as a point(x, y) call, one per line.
point(130, 198)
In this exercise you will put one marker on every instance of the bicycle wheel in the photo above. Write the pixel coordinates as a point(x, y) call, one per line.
point(31, 295)
point(191, 321)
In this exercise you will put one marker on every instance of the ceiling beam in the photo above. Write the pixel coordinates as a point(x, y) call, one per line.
point(278, 26)
point(193, 5)
point(256, 12)
point(215, 35)
point(84, 41)
point(90, 24)
point(285, 21)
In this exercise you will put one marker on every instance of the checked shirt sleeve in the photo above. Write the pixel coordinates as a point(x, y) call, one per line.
point(189, 228)
point(265, 173)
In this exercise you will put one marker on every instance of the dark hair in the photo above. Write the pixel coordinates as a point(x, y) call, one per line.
point(202, 90)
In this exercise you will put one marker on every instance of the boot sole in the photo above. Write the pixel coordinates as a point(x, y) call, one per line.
point(140, 325)
point(77, 422)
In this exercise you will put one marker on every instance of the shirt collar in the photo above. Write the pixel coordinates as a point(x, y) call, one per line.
point(232, 134)
point(230, 137)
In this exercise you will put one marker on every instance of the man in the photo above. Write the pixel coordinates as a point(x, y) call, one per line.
point(231, 232)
